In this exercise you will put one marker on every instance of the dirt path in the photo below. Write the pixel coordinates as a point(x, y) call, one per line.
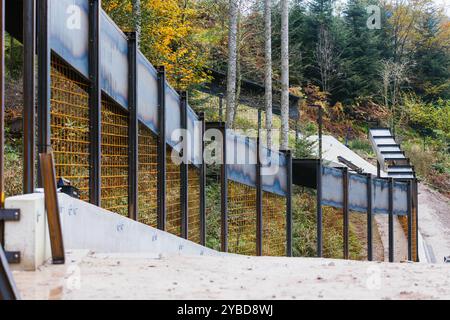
point(100, 276)
point(434, 221)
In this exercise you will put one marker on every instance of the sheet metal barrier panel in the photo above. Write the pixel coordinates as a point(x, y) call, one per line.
point(274, 172)
point(241, 159)
point(69, 32)
point(332, 193)
point(147, 93)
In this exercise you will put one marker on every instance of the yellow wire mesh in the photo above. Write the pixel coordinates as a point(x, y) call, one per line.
point(70, 126)
point(274, 225)
point(173, 192)
point(147, 177)
point(194, 225)
point(241, 219)
point(114, 166)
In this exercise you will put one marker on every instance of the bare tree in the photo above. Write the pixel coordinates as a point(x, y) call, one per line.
point(284, 74)
point(326, 56)
point(394, 76)
point(268, 74)
point(232, 61)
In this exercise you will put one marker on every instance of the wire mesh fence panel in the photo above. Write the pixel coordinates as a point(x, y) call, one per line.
point(173, 195)
point(69, 108)
point(274, 225)
point(114, 163)
point(213, 208)
point(147, 177)
point(358, 236)
point(194, 226)
point(241, 219)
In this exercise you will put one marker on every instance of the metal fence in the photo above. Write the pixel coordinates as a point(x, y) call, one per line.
point(147, 180)
point(114, 160)
point(70, 125)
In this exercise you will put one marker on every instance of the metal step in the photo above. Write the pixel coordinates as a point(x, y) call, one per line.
point(390, 156)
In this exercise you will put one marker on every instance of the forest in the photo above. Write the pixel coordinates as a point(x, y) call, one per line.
point(363, 61)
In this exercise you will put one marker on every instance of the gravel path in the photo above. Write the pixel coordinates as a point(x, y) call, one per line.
point(434, 221)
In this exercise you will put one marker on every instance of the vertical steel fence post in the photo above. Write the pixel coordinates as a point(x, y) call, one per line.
point(2, 115)
point(319, 209)
point(410, 197)
point(202, 182)
point(29, 106)
point(289, 252)
point(44, 60)
point(416, 216)
point(184, 197)
point(345, 186)
point(132, 128)
point(224, 187)
point(95, 107)
point(162, 148)
point(391, 220)
point(369, 218)
point(259, 199)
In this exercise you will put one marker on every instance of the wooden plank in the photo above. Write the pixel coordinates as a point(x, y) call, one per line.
point(52, 207)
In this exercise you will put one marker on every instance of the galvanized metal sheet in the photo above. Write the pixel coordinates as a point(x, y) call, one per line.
point(195, 130)
point(113, 61)
point(357, 193)
point(274, 172)
point(241, 159)
point(332, 187)
point(147, 91)
point(380, 196)
point(173, 116)
point(400, 198)
point(69, 32)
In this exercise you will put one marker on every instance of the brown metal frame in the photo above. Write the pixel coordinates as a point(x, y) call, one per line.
point(51, 204)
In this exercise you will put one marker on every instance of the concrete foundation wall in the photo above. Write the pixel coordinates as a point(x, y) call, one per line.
point(85, 227)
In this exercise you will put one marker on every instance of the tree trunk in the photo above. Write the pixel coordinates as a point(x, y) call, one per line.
point(268, 68)
point(232, 62)
point(137, 19)
point(284, 74)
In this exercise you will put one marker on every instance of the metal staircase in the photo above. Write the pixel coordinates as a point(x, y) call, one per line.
point(391, 158)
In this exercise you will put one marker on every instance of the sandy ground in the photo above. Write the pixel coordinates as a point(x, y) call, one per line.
point(434, 221)
point(99, 276)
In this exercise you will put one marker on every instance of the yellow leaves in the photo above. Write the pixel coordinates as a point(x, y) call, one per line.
point(167, 37)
